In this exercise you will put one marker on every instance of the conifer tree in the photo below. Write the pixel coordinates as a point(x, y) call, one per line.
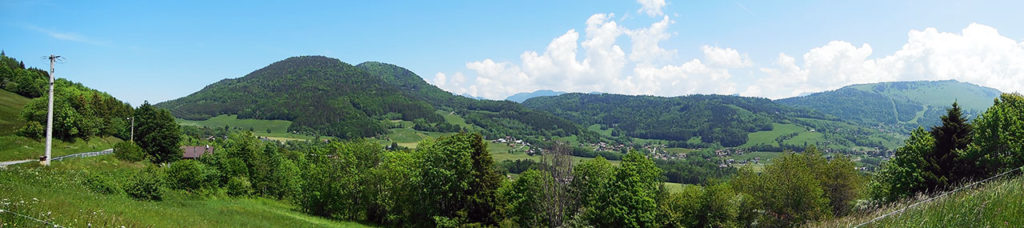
point(944, 161)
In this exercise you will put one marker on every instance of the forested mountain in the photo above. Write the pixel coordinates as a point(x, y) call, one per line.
point(520, 97)
point(327, 96)
point(495, 118)
point(898, 106)
point(713, 118)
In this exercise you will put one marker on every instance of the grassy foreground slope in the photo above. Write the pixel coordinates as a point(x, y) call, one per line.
point(995, 204)
point(56, 194)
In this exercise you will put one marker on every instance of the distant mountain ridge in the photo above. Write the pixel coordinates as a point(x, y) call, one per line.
point(521, 97)
point(327, 96)
point(899, 106)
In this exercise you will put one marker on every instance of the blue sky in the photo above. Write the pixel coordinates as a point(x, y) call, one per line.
point(156, 51)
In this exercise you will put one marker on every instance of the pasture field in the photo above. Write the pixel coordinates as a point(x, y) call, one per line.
point(278, 128)
point(11, 105)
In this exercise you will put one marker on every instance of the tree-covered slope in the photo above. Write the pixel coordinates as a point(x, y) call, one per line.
point(897, 106)
point(714, 118)
point(494, 118)
point(327, 96)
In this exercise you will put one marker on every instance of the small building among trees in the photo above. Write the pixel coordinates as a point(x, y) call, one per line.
point(194, 152)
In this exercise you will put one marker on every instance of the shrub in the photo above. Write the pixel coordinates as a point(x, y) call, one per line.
point(32, 129)
point(189, 175)
point(128, 151)
point(239, 186)
point(101, 184)
point(145, 185)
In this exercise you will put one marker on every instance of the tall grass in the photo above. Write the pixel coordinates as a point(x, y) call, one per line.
point(999, 203)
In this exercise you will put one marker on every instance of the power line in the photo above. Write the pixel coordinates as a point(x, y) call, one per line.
point(29, 217)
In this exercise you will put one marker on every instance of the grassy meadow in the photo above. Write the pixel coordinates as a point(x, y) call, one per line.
point(278, 128)
point(779, 130)
point(10, 112)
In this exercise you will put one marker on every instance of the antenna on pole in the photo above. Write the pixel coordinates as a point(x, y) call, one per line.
point(45, 160)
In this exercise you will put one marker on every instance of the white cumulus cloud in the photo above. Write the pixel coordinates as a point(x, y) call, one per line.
point(651, 7)
point(595, 59)
point(646, 43)
point(726, 57)
point(978, 54)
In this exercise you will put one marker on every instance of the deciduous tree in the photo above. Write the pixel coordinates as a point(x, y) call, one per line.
point(157, 133)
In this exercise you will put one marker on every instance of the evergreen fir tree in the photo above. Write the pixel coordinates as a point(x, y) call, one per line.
point(944, 162)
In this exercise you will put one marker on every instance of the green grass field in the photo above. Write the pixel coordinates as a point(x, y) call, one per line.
point(768, 137)
point(408, 137)
point(806, 138)
point(501, 152)
point(11, 105)
point(452, 118)
point(55, 194)
point(597, 128)
point(766, 158)
point(278, 128)
point(675, 187)
point(13, 147)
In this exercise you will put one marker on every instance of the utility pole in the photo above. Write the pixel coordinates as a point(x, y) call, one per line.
point(132, 137)
point(45, 160)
